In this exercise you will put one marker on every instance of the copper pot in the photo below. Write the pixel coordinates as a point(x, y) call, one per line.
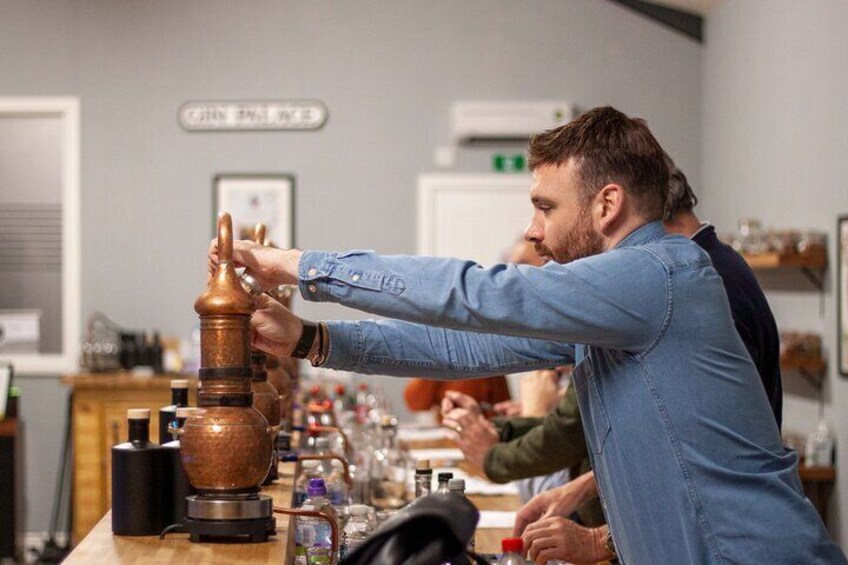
point(225, 447)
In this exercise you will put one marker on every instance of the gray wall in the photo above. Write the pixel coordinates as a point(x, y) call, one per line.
point(387, 71)
point(775, 135)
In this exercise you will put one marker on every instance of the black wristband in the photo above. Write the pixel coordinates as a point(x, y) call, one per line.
point(304, 344)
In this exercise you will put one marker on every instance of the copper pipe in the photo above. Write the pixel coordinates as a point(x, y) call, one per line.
point(334, 429)
point(259, 233)
point(328, 457)
point(334, 526)
point(225, 237)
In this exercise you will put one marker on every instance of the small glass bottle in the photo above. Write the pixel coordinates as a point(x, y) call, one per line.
point(444, 478)
point(513, 552)
point(179, 399)
point(423, 478)
point(333, 476)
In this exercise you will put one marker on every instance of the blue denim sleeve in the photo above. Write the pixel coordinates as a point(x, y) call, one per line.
point(392, 347)
point(619, 299)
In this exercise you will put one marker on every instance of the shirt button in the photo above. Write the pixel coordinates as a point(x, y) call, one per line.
point(312, 272)
point(355, 278)
point(312, 288)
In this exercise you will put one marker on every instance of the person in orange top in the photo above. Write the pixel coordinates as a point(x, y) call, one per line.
point(491, 392)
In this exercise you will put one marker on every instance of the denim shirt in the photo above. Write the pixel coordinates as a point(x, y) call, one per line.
point(687, 455)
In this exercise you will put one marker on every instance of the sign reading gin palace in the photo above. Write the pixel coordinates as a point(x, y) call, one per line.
point(271, 115)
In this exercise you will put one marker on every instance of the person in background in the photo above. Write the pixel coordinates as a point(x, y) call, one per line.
point(491, 393)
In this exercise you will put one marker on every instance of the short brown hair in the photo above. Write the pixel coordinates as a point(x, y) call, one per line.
point(608, 147)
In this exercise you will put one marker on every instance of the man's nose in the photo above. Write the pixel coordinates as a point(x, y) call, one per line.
point(532, 233)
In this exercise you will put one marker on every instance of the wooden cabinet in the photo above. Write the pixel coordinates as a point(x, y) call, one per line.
point(100, 405)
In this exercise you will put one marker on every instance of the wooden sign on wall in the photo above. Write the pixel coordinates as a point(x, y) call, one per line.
point(282, 115)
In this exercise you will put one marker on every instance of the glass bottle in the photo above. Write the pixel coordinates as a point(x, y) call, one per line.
point(179, 399)
point(337, 490)
point(390, 469)
point(444, 478)
point(423, 478)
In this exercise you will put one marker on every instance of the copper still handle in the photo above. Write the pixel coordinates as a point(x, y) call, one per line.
point(347, 448)
point(345, 465)
point(259, 233)
point(316, 514)
point(225, 237)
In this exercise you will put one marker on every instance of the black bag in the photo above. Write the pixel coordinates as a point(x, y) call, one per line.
point(432, 530)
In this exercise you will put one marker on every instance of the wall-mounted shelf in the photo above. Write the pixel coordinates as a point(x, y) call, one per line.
point(812, 266)
point(813, 370)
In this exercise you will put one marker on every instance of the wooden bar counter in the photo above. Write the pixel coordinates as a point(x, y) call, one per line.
point(100, 546)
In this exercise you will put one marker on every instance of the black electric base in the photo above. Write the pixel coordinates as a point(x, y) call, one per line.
point(256, 530)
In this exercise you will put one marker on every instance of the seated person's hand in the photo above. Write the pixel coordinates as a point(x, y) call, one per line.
point(475, 435)
point(560, 538)
point(454, 399)
point(508, 408)
point(559, 502)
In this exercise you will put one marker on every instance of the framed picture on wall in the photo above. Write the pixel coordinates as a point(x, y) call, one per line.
point(266, 198)
point(842, 293)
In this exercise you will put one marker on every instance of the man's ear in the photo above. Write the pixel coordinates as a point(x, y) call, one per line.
point(609, 203)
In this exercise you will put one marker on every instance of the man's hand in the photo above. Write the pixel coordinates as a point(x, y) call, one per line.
point(270, 266)
point(276, 329)
point(508, 408)
point(563, 539)
point(475, 434)
point(453, 399)
point(558, 502)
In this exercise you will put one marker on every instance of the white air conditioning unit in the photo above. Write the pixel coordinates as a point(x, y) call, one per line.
point(502, 122)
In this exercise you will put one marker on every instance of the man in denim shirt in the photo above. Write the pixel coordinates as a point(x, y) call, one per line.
point(685, 449)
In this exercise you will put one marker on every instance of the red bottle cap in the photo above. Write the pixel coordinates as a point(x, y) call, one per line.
point(340, 389)
point(363, 386)
point(512, 545)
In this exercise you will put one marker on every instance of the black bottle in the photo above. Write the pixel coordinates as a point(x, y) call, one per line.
point(177, 487)
point(179, 399)
point(156, 354)
point(137, 473)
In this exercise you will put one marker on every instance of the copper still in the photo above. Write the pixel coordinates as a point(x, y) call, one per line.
point(226, 445)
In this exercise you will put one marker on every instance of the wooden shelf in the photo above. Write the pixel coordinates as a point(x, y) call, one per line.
point(817, 474)
point(778, 261)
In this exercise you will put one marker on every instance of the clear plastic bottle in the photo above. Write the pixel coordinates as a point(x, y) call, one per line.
point(333, 475)
point(308, 470)
point(313, 537)
point(513, 552)
point(390, 470)
point(456, 487)
point(358, 528)
point(423, 478)
point(444, 478)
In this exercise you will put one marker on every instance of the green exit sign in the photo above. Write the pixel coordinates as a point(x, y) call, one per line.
point(509, 163)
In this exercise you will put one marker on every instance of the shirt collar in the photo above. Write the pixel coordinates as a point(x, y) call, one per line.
point(704, 225)
point(643, 234)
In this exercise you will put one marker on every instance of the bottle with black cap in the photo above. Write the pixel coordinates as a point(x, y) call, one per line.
point(444, 478)
point(179, 399)
point(137, 480)
point(176, 487)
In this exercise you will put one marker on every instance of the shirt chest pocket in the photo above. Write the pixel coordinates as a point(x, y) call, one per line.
point(593, 413)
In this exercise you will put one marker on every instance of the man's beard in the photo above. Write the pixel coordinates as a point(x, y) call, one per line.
point(578, 242)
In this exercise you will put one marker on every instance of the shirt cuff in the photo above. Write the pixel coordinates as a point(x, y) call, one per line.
point(346, 346)
point(311, 269)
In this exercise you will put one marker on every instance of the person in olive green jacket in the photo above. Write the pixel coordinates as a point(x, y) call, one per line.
point(505, 450)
